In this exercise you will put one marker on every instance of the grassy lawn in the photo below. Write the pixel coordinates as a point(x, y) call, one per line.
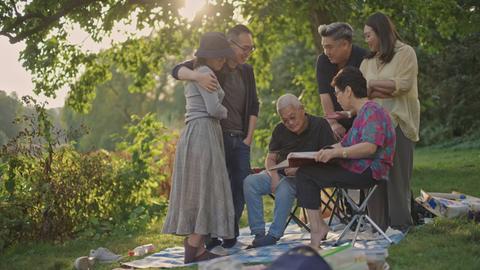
point(444, 244)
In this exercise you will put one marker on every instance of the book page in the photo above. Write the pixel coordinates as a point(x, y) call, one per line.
point(279, 166)
point(308, 155)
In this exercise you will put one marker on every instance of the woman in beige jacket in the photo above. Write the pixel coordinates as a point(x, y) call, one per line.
point(391, 71)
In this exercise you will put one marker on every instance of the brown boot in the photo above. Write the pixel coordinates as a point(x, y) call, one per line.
point(190, 252)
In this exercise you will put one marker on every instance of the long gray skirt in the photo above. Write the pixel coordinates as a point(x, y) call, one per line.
point(200, 198)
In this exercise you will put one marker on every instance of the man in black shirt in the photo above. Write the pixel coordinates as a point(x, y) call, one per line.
point(298, 132)
point(338, 53)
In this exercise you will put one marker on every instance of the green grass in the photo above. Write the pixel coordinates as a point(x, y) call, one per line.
point(445, 244)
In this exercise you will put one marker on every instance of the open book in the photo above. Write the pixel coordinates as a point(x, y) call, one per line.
point(296, 159)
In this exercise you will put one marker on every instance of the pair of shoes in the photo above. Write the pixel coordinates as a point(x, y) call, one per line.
point(191, 251)
point(104, 255)
point(229, 243)
point(84, 263)
point(212, 242)
point(267, 240)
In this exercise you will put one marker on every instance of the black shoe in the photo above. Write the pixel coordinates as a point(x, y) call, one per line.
point(257, 237)
point(212, 242)
point(229, 243)
point(267, 240)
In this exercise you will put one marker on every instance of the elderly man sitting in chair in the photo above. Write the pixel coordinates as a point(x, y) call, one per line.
point(297, 132)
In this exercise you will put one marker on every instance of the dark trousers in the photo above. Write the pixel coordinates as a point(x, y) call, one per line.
point(399, 194)
point(310, 180)
point(237, 157)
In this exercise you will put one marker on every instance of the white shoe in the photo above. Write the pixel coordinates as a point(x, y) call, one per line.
point(104, 255)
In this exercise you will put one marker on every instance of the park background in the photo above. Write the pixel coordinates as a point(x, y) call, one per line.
point(97, 170)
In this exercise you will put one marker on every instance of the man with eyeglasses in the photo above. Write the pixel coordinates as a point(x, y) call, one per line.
point(238, 82)
point(297, 132)
point(338, 52)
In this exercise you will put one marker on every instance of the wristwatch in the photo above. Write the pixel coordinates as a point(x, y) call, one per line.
point(344, 153)
point(349, 114)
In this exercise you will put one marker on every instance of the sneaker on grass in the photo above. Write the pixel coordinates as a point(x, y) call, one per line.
point(104, 255)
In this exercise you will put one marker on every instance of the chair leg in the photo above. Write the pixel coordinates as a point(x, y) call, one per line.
point(335, 211)
point(292, 214)
point(359, 224)
point(346, 228)
point(379, 230)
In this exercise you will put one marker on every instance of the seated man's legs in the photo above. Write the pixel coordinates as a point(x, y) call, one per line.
point(254, 187)
point(258, 185)
point(284, 197)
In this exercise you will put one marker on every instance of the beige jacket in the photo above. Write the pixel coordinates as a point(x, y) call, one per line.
point(404, 107)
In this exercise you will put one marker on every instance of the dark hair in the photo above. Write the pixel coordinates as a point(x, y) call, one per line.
point(238, 29)
point(351, 76)
point(387, 35)
point(199, 61)
point(336, 30)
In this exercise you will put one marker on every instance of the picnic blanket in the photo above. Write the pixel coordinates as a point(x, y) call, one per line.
point(294, 236)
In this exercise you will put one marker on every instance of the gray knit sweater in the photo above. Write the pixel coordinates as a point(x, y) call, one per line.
point(201, 103)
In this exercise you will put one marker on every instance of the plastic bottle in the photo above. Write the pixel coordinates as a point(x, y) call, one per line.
point(142, 250)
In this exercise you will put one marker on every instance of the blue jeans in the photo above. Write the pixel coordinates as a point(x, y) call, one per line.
point(257, 185)
point(237, 157)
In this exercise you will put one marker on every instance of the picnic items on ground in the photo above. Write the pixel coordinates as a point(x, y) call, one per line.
point(449, 205)
point(101, 254)
point(141, 250)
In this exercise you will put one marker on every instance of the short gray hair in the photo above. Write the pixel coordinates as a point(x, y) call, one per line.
point(336, 30)
point(288, 100)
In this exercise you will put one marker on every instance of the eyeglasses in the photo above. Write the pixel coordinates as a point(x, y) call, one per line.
point(247, 49)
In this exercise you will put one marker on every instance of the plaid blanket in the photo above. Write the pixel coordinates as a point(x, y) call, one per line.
point(294, 236)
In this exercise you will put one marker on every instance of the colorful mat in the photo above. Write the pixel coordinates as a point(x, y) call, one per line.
point(294, 236)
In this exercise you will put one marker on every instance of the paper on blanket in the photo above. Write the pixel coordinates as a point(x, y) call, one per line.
point(444, 204)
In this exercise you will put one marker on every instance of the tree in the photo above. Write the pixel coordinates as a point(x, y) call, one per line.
point(10, 108)
point(54, 62)
point(277, 24)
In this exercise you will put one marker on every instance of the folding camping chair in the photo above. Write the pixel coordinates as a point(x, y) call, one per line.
point(360, 213)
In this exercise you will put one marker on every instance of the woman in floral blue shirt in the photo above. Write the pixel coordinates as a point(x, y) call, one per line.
point(362, 157)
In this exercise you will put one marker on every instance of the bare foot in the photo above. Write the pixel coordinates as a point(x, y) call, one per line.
point(316, 247)
point(318, 237)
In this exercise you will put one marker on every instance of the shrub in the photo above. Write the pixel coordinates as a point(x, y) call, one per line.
point(49, 191)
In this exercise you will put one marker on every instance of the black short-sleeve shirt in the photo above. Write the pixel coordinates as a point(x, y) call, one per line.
point(317, 135)
point(326, 70)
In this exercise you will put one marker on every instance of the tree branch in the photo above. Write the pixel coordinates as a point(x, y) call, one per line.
point(46, 21)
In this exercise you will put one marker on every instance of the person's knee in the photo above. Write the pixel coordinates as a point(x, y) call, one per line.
point(250, 183)
point(285, 190)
